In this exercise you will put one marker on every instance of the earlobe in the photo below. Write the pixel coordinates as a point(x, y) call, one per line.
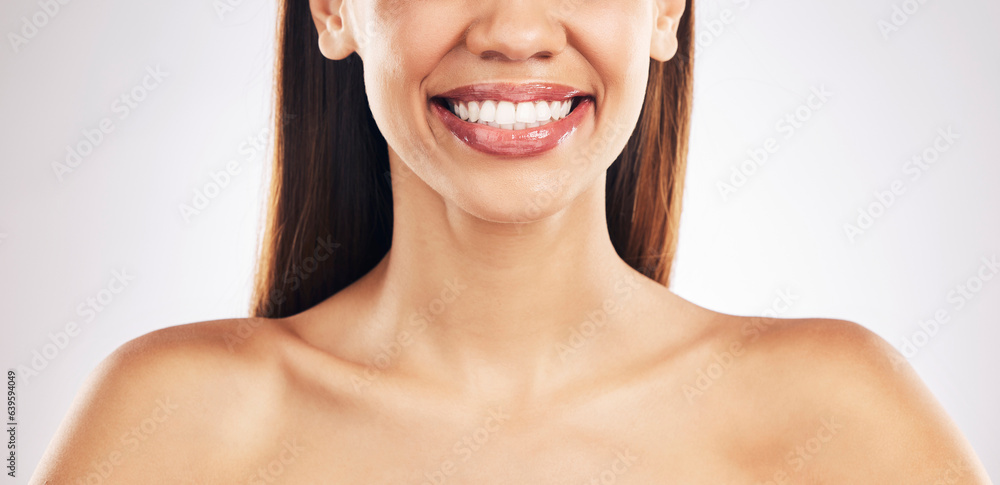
point(666, 18)
point(334, 39)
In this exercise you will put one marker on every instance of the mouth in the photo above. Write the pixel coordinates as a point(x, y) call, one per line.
point(515, 120)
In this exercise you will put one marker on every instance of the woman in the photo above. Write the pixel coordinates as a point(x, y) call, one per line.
point(525, 160)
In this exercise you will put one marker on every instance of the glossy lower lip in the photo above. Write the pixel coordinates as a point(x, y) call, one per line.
point(515, 143)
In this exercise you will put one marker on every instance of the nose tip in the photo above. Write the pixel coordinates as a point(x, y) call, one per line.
point(516, 31)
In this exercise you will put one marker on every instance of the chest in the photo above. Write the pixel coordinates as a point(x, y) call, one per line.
point(491, 449)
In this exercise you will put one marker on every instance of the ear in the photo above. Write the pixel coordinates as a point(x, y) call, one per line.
point(335, 40)
point(666, 19)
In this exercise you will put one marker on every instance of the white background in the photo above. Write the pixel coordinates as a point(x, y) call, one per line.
point(782, 230)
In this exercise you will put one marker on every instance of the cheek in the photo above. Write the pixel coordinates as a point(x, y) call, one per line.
point(614, 38)
point(618, 31)
point(411, 38)
point(408, 43)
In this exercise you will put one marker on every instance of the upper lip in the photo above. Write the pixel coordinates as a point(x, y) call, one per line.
point(513, 92)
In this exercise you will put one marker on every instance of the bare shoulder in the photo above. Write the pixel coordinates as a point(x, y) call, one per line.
point(177, 403)
point(841, 405)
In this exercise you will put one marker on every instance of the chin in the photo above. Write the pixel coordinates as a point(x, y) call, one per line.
point(514, 203)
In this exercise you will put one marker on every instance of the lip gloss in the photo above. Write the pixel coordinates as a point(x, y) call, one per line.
point(514, 143)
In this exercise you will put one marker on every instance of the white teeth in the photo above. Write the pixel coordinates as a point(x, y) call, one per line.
point(473, 111)
point(509, 115)
point(488, 113)
point(555, 107)
point(525, 113)
point(542, 111)
point(505, 113)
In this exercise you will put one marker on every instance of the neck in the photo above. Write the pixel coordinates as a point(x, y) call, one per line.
point(482, 301)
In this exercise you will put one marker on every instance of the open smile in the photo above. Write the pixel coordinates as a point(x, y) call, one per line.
point(513, 119)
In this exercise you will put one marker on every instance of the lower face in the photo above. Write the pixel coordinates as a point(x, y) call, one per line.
point(506, 140)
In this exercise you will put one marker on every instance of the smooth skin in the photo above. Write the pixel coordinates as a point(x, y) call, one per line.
point(502, 340)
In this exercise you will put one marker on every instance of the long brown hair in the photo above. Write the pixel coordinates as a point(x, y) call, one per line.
point(329, 217)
